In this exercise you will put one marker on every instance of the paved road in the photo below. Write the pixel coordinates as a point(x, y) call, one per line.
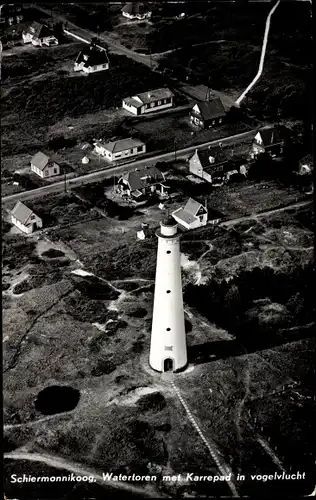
point(114, 46)
point(233, 222)
point(99, 175)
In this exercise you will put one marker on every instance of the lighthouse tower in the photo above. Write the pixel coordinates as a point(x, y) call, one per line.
point(168, 351)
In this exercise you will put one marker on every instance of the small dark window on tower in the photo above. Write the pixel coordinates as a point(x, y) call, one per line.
point(168, 291)
point(168, 329)
point(168, 251)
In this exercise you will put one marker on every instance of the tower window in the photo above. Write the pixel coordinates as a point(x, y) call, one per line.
point(168, 291)
point(168, 251)
point(168, 329)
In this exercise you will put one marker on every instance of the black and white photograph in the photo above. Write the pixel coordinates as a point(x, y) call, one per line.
point(157, 187)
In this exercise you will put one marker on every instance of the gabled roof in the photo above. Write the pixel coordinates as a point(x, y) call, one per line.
point(188, 213)
point(150, 96)
point(122, 145)
point(213, 151)
point(40, 160)
point(21, 212)
point(38, 30)
point(92, 56)
point(134, 8)
point(211, 109)
point(139, 179)
point(193, 206)
point(270, 136)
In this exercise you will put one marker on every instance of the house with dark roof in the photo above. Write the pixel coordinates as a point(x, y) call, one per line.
point(208, 163)
point(120, 149)
point(306, 165)
point(208, 114)
point(148, 102)
point(143, 182)
point(44, 166)
point(267, 140)
point(92, 59)
point(39, 34)
point(25, 219)
point(136, 10)
point(192, 215)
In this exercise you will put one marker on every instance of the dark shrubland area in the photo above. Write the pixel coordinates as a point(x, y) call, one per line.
point(245, 307)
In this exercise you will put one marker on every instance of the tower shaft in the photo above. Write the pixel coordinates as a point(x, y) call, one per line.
point(168, 350)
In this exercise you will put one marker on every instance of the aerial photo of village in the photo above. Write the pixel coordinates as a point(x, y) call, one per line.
point(157, 249)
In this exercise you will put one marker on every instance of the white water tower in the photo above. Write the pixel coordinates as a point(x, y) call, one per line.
point(168, 350)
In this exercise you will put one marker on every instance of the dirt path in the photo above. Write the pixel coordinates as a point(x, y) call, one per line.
point(232, 222)
point(222, 467)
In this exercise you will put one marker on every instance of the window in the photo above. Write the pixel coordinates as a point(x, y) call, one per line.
point(159, 103)
point(213, 122)
point(168, 348)
point(168, 291)
point(131, 151)
point(152, 104)
point(168, 329)
point(168, 251)
point(220, 120)
point(55, 170)
point(46, 173)
point(104, 65)
point(139, 149)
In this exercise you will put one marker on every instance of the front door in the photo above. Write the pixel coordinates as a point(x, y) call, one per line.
point(168, 365)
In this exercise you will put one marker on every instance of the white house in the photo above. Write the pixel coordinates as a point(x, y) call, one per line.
point(192, 215)
point(43, 166)
point(117, 150)
point(136, 10)
point(92, 59)
point(24, 219)
point(39, 34)
point(148, 102)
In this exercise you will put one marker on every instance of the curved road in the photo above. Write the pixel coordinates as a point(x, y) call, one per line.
point(58, 187)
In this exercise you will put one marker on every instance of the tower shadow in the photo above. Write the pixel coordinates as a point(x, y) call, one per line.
point(221, 349)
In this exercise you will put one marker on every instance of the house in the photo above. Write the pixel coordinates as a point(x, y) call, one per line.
point(39, 34)
point(143, 182)
point(208, 114)
point(267, 140)
point(208, 163)
point(120, 149)
point(25, 219)
point(306, 165)
point(154, 100)
point(136, 10)
point(92, 59)
point(44, 166)
point(192, 215)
